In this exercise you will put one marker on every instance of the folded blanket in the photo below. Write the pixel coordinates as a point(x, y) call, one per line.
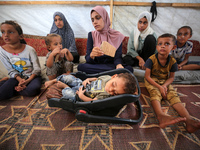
point(187, 77)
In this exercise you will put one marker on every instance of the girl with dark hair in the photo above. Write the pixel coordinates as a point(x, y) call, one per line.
point(61, 26)
point(21, 61)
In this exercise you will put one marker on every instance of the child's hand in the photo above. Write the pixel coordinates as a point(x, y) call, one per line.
point(56, 51)
point(85, 82)
point(179, 67)
point(163, 90)
point(20, 88)
point(23, 82)
point(64, 52)
point(80, 92)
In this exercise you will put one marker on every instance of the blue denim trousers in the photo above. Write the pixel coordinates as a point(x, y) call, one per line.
point(73, 82)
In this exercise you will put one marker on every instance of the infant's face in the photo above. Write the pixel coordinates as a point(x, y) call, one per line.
point(115, 86)
point(56, 42)
point(59, 22)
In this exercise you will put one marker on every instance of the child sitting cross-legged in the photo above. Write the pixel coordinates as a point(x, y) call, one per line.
point(160, 71)
point(95, 88)
point(21, 62)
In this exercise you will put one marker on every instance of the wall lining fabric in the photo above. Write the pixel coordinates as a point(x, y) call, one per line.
point(36, 19)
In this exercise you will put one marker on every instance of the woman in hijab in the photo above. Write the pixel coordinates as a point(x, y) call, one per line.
point(142, 42)
point(61, 26)
point(96, 60)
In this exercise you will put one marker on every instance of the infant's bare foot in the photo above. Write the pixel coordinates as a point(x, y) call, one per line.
point(61, 85)
point(166, 120)
point(192, 125)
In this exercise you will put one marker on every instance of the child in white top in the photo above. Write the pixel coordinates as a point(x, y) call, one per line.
point(21, 61)
point(184, 49)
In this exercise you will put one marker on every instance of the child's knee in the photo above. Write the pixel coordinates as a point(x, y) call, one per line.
point(155, 95)
point(68, 93)
point(65, 78)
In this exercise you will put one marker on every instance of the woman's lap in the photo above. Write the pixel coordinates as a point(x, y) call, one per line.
point(97, 68)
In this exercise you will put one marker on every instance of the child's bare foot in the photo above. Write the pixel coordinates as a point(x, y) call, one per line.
point(50, 82)
point(192, 125)
point(166, 120)
point(61, 85)
point(5, 78)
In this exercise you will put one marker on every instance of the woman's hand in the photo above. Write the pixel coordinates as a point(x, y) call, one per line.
point(96, 52)
point(119, 66)
point(141, 64)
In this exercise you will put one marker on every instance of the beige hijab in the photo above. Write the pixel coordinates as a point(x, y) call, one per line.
point(146, 32)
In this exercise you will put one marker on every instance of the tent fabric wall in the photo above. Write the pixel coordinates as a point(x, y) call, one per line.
point(38, 19)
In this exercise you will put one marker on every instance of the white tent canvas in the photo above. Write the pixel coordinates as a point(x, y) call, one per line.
point(38, 19)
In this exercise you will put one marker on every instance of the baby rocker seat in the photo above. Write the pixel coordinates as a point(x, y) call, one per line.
point(104, 110)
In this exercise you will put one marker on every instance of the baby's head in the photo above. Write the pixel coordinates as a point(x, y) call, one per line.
point(123, 83)
point(53, 41)
point(17, 27)
point(183, 34)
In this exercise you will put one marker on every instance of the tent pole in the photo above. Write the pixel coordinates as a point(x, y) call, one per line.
point(111, 13)
point(116, 3)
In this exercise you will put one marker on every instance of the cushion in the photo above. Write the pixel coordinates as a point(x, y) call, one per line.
point(196, 48)
point(194, 60)
point(39, 45)
point(187, 77)
point(181, 77)
point(3, 72)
